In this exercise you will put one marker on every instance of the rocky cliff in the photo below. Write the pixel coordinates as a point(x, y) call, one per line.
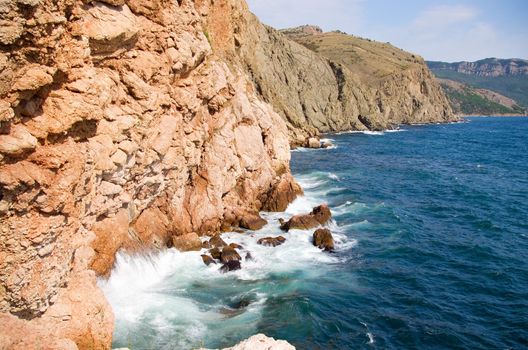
point(315, 83)
point(120, 128)
point(136, 125)
point(489, 67)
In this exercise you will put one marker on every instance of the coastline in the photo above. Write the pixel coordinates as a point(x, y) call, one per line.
point(493, 116)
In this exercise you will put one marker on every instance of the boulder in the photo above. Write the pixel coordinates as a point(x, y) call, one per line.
point(231, 265)
point(326, 144)
point(216, 253)
point(187, 243)
point(322, 238)
point(252, 221)
point(217, 242)
point(313, 142)
point(208, 260)
point(229, 254)
point(319, 216)
point(271, 241)
point(235, 246)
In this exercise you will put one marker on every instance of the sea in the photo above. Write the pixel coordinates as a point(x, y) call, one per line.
point(431, 231)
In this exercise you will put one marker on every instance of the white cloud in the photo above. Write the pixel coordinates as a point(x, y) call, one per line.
point(443, 16)
point(329, 14)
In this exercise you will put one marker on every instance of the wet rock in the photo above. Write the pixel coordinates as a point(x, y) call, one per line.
point(235, 246)
point(216, 253)
point(248, 257)
point(252, 221)
point(313, 142)
point(208, 260)
point(319, 216)
point(217, 242)
point(283, 192)
point(326, 144)
point(261, 342)
point(231, 265)
point(187, 243)
point(322, 238)
point(229, 254)
point(206, 245)
point(271, 241)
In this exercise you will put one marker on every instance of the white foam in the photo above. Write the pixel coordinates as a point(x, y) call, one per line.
point(152, 291)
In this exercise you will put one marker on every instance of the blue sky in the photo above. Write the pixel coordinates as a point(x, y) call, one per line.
point(440, 30)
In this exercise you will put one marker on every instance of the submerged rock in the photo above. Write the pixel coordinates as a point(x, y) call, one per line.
point(322, 238)
point(231, 265)
point(208, 260)
point(271, 241)
point(248, 257)
point(319, 216)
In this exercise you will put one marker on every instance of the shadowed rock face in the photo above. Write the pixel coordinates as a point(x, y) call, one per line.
point(315, 91)
point(120, 129)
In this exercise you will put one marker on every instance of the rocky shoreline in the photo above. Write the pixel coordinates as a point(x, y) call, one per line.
point(140, 125)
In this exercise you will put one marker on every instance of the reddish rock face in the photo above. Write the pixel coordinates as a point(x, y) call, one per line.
point(187, 243)
point(128, 134)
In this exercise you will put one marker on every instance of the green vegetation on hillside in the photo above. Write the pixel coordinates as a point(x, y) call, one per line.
point(466, 101)
point(514, 87)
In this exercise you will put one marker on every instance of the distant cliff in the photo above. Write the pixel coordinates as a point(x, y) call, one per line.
point(489, 67)
point(508, 77)
point(316, 91)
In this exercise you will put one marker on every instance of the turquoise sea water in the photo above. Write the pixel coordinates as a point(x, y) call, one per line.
point(431, 226)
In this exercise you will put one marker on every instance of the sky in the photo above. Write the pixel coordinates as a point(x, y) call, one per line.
point(438, 30)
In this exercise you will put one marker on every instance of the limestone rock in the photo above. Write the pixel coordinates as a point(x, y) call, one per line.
point(18, 141)
point(109, 28)
point(261, 342)
point(188, 242)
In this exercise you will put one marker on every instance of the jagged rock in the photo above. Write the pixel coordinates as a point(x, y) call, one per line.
point(235, 246)
point(17, 142)
point(109, 28)
point(216, 253)
point(231, 265)
point(207, 259)
point(313, 142)
point(217, 242)
point(319, 216)
point(272, 241)
point(283, 192)
point(188, 242)
point(229, 254)
point(322, 238)
point(252, 221)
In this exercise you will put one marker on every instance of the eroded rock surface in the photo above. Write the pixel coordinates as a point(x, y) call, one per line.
point(120, 129)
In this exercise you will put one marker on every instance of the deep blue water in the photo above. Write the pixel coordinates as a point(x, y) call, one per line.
point(440, 214)
point(432, 253)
